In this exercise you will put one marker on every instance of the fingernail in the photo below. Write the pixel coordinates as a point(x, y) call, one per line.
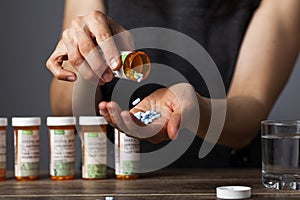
point(71, 78)
point(107, 76)
point(114, 64)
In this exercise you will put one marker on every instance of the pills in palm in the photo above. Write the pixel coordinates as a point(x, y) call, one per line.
point(147, 117)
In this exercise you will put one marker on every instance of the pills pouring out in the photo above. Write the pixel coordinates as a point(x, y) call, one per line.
point(135, 65)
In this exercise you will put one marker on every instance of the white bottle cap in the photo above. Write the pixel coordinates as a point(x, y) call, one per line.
point(3, 121)
point(26, 121)
point(61, 121)
point(92, 120)
point(233, 192)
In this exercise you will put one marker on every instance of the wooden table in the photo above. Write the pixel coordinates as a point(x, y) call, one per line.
point(164, 184)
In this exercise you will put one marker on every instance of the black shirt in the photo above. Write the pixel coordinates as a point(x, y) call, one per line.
point(220, 29)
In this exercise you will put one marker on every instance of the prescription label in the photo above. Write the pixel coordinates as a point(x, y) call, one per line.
point(27, 153)
point(62, 159)
point(127, 156)
point(95, 156)
point(2, 149)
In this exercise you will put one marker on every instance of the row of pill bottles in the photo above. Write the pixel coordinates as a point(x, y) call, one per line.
point(62, 158)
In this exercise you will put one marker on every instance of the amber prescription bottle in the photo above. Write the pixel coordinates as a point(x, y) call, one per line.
point(62, 157)
point(27, 142)
point(127, 158)
point(3, 124)
point(135, 66)
point(94, 152)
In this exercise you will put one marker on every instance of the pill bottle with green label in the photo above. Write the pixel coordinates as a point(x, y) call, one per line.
point(62, 157)
point(27, 142)
point(135, 65)
point(127, 157)
point(3, 124)
point(94, 147)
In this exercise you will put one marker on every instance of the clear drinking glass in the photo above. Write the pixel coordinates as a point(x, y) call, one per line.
point(280, 154)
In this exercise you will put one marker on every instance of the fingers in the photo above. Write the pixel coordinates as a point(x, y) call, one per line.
point(112, 113)
point(99, 26)
point(173, 125)
point(79, 47)
point(129, 124)
point(54, 64)
point(83, 54)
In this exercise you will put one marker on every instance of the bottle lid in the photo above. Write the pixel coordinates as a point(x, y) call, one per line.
point(233, 192)
point(92, 120)
point(61, 121)
point(26, 121)
point(3, 121)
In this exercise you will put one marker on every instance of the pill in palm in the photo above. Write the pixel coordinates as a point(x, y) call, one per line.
point(147, 117)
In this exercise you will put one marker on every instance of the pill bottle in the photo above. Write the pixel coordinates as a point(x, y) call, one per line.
point(62, 157)
point(3, 124)
point(27, 153)
point(135, 65)
point(127, 158)
point(94, 147)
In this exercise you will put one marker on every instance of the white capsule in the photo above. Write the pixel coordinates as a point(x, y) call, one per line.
point(135, 102)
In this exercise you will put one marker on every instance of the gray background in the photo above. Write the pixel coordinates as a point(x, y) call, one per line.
point(30, 30)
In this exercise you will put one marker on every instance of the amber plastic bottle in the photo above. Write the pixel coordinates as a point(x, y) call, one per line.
point(127, 157)
point(62, 157)
point(135, 66)
point(3, 124)
point(27, 154)
point(94, 147)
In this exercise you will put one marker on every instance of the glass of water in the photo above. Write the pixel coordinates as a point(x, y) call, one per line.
point(281, 154)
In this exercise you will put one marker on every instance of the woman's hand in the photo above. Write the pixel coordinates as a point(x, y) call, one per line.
point(177, 105)
point(78, 45)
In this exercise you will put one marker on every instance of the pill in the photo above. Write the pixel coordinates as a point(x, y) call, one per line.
point(147, 117)
point(135, 102)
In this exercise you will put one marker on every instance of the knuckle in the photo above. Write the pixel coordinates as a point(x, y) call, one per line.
point(96, 14)
point(104, 35)
point(65, 34)
point(85, 47)
point(77, 21)
point(48, 64)
point(75, 60)
point(67, 38)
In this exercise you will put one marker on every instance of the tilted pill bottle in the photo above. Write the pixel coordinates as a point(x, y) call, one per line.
point(94, 147)
point(127, 158)
point(3, 124)
point(135, 65)
point(62, 151)
point(27, 142)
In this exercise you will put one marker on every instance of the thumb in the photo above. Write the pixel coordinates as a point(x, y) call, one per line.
point(173, 125)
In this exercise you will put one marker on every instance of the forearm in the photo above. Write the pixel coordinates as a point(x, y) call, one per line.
point(242, 120)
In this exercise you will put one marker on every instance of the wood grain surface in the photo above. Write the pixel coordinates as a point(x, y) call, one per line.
point(164, 184)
